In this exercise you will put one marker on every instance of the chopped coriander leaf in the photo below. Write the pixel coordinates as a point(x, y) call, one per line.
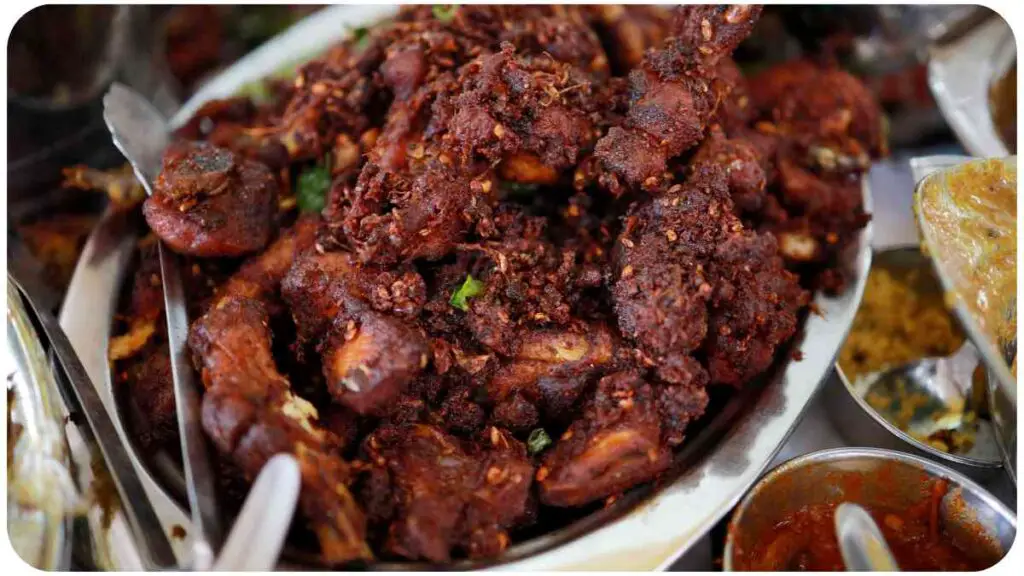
point(311, 188)
point(538, 441)
point(471, 287)
point(445, 12)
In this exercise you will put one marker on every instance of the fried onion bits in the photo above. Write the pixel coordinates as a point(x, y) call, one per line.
point(210, 202)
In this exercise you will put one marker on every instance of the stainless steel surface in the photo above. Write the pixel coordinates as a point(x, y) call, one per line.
point(41, 490)
point(997, 356)
point(960, 74)
point(140, 513)
point(142, 134)
point(644, 530)
point(861, 542)
point(817, 478)
point(861, 425)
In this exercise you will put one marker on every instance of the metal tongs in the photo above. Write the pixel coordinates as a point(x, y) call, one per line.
point(155, 547)
point(142, 134)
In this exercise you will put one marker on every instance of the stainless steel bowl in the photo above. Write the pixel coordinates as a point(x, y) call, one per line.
point(861, 425)
point(882, 477)
point(997, 342)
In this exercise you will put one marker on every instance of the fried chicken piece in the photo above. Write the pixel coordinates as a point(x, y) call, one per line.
point(335, 95)
point(735, 110)
point(753, 308)
point(447, 493)
point(502, 499)
point(744, 167)
point(613, 446)
point(768, 88)
point(514, 105)
point(825, 128)
point(835, 118)
point(527, 281)
point(250, 412)
point(150, 400)
point(208, 202)
point(660, 289)
point(368, 355)
point(529, 116)
point(550, 370)
point(671, 97)
point(690, 277)
point(679, 405)
point(821, 216)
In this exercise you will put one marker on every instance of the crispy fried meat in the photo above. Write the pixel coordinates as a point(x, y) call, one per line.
point(209, 202)
point(672, 97)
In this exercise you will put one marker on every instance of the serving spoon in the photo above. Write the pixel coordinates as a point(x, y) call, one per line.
point(142, 134)
point(946, 382)
point(861, 543)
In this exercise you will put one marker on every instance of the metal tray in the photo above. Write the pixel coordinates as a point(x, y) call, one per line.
point(648, 528)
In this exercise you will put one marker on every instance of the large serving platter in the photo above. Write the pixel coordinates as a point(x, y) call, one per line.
point(649, 527)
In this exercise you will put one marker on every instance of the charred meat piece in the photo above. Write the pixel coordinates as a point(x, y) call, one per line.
point(530, 116)
point(613, 446)
point(251, 414)
point(831, 114)
point(208, 202)
point(691, 277)
point(672, 97)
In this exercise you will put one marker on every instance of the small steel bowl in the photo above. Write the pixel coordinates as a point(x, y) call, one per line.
point(860, 425)
point(883, 478)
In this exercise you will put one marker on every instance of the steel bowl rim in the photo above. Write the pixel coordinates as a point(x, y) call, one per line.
point(849, 453)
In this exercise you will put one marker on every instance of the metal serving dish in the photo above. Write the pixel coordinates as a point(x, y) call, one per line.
point(861, 425)
point(648, 528)
point(997, 348)
point(960, 74)
point(882, 478)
